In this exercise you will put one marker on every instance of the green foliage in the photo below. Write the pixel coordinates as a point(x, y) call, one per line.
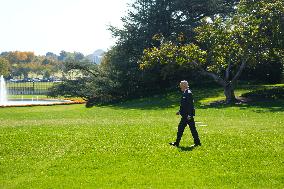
point(224, 46)
point(270, 35)
point(170, 53)
point(146, 25)
point(79, 87)
point(96, 84)
point(70, 88)
point(19, 70)
point(23, 64)
point(4, 67)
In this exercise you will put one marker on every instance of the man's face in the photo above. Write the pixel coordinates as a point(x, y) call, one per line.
point(182, 86)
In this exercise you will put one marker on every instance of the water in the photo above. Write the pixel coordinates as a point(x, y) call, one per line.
point(3, 91)
point(24, 102)
point(31, 102)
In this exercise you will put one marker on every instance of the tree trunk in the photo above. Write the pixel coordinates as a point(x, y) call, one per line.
point(228, 85)
point(230, 94)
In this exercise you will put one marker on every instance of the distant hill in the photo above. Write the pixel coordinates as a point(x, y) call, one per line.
point(96, 57)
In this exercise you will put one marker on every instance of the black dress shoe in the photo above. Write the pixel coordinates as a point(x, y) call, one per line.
point(174, 144)
point(198, 144)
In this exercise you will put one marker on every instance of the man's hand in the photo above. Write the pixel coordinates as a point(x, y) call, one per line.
point(189, 117)
point(177, 113)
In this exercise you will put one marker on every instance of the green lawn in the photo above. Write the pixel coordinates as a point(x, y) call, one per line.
point(35, 85)
point(126, 145)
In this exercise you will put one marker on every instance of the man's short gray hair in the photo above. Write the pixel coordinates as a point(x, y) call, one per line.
point(184, 83)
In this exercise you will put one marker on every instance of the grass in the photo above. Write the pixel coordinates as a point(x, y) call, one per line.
point(126, 145)
point(35, 85)
point(27, 96)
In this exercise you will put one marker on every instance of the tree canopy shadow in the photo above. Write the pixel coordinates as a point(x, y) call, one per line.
point(266, 100)
point(262, 106)
point(170, 99)
point(269, 99)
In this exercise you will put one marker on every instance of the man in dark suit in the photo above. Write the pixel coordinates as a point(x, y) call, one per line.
point(187, 113)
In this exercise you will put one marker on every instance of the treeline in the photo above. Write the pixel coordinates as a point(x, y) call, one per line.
point(164, 41)
point(17, 64)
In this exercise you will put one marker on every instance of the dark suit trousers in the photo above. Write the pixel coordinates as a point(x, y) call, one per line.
point(183, 122)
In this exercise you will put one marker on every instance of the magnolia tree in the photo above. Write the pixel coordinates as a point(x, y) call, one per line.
point(223, 47)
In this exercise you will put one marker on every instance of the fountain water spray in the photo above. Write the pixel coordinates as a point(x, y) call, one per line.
point(3, 91)
point(23, 102)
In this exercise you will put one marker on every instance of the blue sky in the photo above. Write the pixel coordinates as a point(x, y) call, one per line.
point(53, 25)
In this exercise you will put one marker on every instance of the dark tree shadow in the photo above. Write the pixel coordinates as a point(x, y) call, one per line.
point(264, 106)
point(167, 100)
point(161, 101)
point(268, 99)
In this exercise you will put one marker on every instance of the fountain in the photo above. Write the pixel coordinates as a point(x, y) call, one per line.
point(3, 91)
point(4, 102)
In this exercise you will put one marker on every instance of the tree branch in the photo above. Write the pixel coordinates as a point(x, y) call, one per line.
point(241, 68)
point(212, 75)
point(82, 67)
point(227, 76)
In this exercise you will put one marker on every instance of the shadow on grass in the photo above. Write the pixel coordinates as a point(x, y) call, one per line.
point(262, 106)
point(264, 103)
point(162, 101)
point(187, 148)
point(168, 100)
point(270, 99)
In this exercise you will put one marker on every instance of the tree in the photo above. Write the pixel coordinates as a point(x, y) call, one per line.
point(20, 70)
point(226, 46)
point(269, 67)
point(62, 55)
point(118, 76)
point(20, 57)
point(147, 20)
point(51, 55)
point(78, 56)
point(4, 67)
point(94, 86)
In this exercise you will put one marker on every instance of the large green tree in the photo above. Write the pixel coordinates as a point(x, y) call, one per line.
point(147, 20)
point(119, 75)
point(225, 46)
point(269, 15)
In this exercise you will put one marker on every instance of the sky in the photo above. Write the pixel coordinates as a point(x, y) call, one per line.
point(43, 26)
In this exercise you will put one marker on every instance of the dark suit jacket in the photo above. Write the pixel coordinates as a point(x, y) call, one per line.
point(186, 104)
